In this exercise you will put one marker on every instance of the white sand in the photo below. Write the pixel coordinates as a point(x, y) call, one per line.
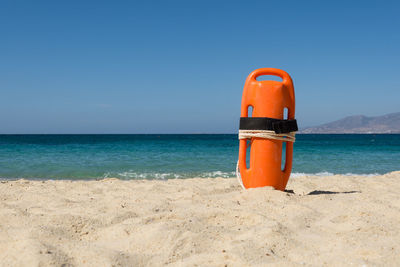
point(337, 220)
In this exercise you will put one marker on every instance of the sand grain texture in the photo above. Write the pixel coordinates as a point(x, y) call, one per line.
point(336, 221)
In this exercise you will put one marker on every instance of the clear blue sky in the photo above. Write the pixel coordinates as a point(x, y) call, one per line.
point(180, 66)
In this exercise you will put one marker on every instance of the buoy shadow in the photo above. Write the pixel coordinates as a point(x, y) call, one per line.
point(322, 192)
point(289, 191)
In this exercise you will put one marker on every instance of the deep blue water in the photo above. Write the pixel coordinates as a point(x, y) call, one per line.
point(181, 156)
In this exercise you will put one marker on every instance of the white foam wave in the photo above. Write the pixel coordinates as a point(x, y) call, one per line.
point(142, 175)
point(218, 174)
point(168, 175)
point(213, 174)
point(320, 174)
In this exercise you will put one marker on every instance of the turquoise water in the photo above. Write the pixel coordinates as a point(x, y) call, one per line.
point(182, 156)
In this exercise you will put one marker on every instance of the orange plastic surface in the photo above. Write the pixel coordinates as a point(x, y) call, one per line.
point(268, 99)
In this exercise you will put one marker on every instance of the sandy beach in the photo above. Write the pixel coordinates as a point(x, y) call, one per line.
point(335, 220)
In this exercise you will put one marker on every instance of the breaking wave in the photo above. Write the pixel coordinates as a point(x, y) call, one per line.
point(320, 174)
point(167, 175)
point(128, 175)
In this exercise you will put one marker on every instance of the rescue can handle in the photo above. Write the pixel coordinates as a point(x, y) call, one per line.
point(286, 80)
point(271, 71)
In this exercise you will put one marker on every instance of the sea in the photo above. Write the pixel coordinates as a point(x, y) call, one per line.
point(176, 156)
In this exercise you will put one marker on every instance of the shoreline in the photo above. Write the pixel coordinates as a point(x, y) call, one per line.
point(294, 175)
point(329, 220)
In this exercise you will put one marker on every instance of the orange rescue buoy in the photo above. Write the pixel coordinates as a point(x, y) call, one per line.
point(268, 100)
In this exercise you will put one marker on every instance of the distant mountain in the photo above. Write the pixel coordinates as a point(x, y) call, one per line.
point(389, 123)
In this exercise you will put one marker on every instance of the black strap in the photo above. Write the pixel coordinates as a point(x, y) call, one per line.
point(264, 123)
